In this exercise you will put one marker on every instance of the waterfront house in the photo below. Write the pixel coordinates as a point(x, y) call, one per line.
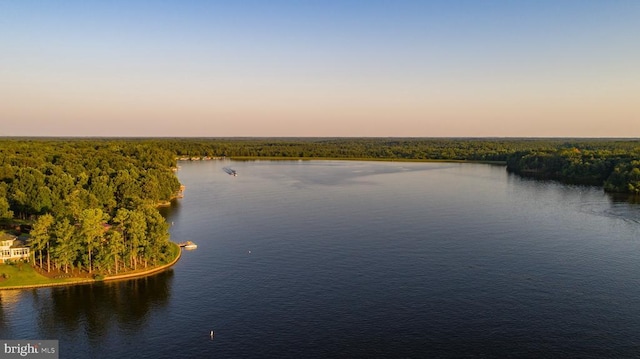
point(11, 248)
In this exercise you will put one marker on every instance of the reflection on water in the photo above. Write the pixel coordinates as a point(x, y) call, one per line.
point(166, 211)
point(587, 199)
point(85, 310)
point(614, 205)
point(620, 207)
point(9, 300)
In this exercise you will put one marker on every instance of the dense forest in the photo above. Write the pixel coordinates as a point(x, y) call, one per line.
point(358, 148)
point(91, 203)
point(88, 204)
point(615, 169)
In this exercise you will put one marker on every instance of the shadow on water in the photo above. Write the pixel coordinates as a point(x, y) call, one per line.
point(624, 206)
point(624, 198)
point(167, 210)
point(621, 206)
point(95, 309)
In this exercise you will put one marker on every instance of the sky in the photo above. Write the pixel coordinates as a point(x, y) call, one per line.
point(343, 68)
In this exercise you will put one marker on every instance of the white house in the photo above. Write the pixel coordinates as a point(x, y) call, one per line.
point(11, 248)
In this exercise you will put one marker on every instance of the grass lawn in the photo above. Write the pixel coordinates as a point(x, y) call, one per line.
point(23, 274)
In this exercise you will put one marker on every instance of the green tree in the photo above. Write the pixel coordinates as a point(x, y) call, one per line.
point(137, 231)
point(5, 212)
point(121, 222)
point(157, 235)
point(116, 247)
point(29, 192)
point(103, 194)
point(41, 236)
point(66, 246)
point(91, 231)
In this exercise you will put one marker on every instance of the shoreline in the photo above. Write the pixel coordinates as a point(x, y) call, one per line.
point(274, 158)
point(137, 274)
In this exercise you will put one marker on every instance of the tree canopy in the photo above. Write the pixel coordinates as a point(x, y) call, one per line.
point(72, 190)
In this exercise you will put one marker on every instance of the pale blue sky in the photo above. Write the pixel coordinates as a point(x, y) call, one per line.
point(320, 68)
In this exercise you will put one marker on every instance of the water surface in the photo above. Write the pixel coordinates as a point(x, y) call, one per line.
point(365, 259)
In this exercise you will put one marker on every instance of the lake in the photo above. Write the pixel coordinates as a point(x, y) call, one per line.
point(321, 259)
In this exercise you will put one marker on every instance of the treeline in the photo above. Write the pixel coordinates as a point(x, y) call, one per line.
point(357, 148)
point(92, 202)
point(614, 169)
point(463, 149)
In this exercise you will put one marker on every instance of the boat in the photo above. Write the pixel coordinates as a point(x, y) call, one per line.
point(230, 171)
point(188, 245)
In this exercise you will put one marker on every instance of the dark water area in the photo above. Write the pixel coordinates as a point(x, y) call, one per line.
point(330, 259)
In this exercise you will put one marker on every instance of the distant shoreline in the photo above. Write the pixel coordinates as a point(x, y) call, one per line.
point(274, 158)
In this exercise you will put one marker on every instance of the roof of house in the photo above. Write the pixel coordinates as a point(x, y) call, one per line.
point(18, 244)
point(6, 236)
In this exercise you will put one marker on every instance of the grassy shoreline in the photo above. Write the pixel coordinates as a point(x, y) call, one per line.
point(24, 276)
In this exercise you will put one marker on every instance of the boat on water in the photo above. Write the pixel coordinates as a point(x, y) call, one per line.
point(188, 245)
point(230, 171)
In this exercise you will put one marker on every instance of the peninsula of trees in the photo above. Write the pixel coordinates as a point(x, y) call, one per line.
point(91, 203)
point(88, 204)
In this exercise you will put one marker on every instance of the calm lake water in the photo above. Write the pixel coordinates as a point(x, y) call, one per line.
point(365, 259)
